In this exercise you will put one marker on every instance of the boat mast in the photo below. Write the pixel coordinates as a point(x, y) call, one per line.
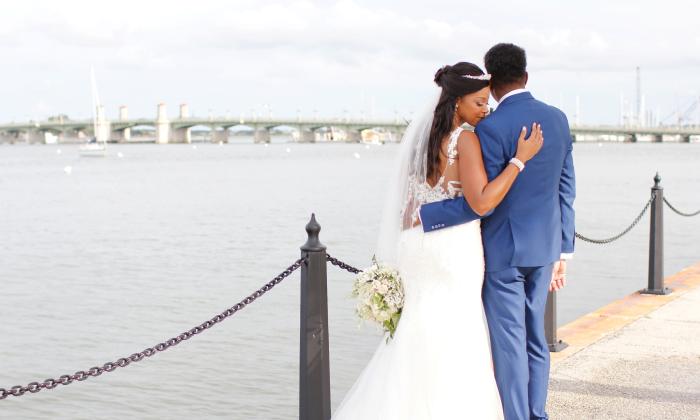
point(95, 103)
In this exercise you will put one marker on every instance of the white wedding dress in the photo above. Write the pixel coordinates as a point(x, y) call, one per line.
point(438, 365)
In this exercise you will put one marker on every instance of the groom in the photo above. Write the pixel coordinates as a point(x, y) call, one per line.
point(528, 237)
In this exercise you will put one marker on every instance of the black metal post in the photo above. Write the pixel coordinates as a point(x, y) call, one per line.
point(550, 324)
point(656, 242)
point(314, 370)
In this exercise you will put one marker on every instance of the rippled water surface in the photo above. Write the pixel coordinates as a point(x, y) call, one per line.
point(131, 249)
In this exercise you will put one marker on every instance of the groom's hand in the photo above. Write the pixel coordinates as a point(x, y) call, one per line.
point(558, 276)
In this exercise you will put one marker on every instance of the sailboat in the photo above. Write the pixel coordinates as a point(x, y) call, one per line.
point(97, 145)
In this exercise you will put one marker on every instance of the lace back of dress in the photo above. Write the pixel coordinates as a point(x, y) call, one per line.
point(421, 192)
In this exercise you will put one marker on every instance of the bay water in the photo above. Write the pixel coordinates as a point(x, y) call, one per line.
point(104, 257)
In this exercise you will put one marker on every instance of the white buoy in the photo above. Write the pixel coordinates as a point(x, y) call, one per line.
point(68, 170)
point(357, 155)
point(600, 144)
point(221, 143)
point(267, 145)
point(120, 155)
point(194, 146)
point(367, 146)
point(58, 152)
point(289, 150)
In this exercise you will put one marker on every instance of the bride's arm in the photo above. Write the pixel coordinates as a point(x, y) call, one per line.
point(481, 195)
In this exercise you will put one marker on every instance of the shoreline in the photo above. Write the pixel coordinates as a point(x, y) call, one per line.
point(635, 358)
point(595, 326)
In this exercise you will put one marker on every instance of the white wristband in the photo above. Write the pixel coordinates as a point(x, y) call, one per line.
point(517, 162)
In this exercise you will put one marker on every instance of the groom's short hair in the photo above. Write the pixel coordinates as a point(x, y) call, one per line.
point(506, 63)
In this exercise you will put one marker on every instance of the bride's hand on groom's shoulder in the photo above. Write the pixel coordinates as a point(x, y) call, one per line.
point(558, 276)
point(530, 146)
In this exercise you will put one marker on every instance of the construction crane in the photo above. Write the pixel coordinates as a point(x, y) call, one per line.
point(682, 115)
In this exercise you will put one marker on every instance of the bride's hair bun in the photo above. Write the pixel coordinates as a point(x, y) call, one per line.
point(440, 73)
point(460, 79)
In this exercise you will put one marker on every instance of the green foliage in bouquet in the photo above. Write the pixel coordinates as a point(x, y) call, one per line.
point(380, 294)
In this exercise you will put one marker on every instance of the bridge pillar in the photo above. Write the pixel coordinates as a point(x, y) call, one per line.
point(306, 135)
point(182, 134)
point(8, 137)
point(124, 135)
point(35, 136)
point(219, 136)
point(262, 135)
point(353, 136)
point(68, 135)
point(657, 138)
point(81, 135)
point(121, 136)
point(61, 137)
point(162, 125)
point(685, 138)
point(630, 138)
point(184, 111)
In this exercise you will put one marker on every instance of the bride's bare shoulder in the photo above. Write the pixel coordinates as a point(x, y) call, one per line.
point(467, 140)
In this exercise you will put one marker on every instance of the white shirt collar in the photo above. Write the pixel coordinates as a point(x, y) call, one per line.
point(511, 93)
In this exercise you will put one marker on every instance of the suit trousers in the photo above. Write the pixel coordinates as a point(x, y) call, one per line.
point(514, 302)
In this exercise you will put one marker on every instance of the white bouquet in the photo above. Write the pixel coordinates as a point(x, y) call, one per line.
point(379, 290)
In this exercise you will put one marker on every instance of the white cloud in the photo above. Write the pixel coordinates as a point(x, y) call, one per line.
point(332, 55)
point(597, 42)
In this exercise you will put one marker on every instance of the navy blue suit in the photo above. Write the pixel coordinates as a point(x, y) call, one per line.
point(522, 239)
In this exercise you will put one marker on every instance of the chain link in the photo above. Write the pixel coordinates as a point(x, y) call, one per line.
point(680, 212)
point(624, 232)
point(81, 375)
point(343, 266)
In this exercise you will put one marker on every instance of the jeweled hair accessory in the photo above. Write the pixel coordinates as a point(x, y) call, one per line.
point(480, 77)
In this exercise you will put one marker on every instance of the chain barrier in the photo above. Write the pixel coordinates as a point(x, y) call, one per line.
point(624, 232)
point(680, 213)
point(51, 383)
point(343, 266)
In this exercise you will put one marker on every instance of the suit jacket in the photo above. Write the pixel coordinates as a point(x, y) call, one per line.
point(534, 223)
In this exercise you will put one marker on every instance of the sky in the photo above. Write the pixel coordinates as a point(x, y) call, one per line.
point(350, 58)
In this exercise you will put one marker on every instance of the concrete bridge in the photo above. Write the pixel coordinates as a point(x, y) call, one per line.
point(633, 134)
point(179, 130)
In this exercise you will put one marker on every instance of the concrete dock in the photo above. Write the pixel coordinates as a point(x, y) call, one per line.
point(636, 358)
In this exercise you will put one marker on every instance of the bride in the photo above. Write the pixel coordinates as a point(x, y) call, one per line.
point(438, 365)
